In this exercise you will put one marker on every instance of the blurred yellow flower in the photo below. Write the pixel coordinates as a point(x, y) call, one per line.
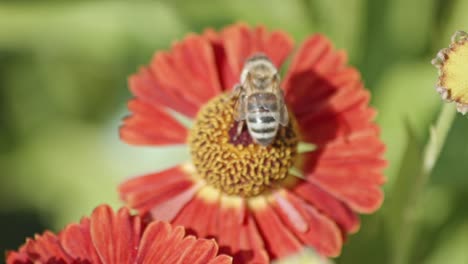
point(452, 63)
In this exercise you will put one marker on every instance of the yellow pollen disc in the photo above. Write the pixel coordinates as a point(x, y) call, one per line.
point(233, 164)
point(454, 72)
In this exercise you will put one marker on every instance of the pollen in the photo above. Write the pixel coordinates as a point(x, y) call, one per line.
point(235, 164)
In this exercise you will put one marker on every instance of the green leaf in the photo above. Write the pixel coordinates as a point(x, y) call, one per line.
point(98, 29)
point(453, 243)
point(343, 21)
point(68, 168)
point(451, 170)
point(405, 197)
point(290, 16)
point(72, 60)
point(396, 210)
point(451, 21)
point(410, 30)
point(405, 96)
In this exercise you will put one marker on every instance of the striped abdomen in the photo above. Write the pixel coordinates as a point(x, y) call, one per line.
point(262, 117)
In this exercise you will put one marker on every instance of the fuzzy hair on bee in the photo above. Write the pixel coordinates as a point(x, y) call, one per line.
point(260, 100)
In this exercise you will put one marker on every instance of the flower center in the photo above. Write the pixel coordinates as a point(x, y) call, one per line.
point(234, 163)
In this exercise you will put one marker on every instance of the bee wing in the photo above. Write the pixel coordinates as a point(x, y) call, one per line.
point(239, 108)
point(283, 116)
point(239, 105)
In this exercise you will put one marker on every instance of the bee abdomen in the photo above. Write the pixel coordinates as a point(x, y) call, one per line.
point(263, 127)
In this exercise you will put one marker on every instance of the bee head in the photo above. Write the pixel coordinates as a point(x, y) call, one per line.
point(259, 71)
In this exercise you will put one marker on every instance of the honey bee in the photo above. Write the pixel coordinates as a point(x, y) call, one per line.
point(260, 100)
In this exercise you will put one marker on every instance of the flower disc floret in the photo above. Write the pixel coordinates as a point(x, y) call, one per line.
point(233, 163)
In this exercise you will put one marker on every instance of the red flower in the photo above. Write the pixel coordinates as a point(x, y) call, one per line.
point(239, 192)
point(108, 237)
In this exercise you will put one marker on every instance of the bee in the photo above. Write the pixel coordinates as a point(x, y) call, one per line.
point(260, 100)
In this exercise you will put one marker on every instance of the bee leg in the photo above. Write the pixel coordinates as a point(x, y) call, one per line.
point(240, 125)
point(236, 91)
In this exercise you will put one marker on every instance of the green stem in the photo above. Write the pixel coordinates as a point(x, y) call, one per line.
point(438, 136)
point(431, 152)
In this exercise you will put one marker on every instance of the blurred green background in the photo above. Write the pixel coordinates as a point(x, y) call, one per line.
point(63, 92)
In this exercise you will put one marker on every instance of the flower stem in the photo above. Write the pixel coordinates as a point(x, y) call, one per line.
point(438, 136)
point(430, 155)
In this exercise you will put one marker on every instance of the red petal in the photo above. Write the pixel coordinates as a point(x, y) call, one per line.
point(331, 106)
point(183, 248)
point(222, 259)
point(44, 248)
point(13, 257)
point(360, 197)
point(232, 218)
point(201, 252)
point(147, 192)
point(236, 234)
point(76, 241)
point(171, 245)
point(321, 233)
point(163, 244)
point(279, 242)
point(350, 170)
point(328, 205)
point(226, 75)
point(168, 209)
point(151, 125)
point(199, 217)
point(156, 237)
point(252, 250)
point(326, 96)
point(182, 80)
point(147, 88)
point(115, 237)
point(238, 42)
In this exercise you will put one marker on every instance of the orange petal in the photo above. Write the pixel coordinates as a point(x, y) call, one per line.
point(279, 241)
point(115, 236)
point(321, 233)
point(151, 125)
